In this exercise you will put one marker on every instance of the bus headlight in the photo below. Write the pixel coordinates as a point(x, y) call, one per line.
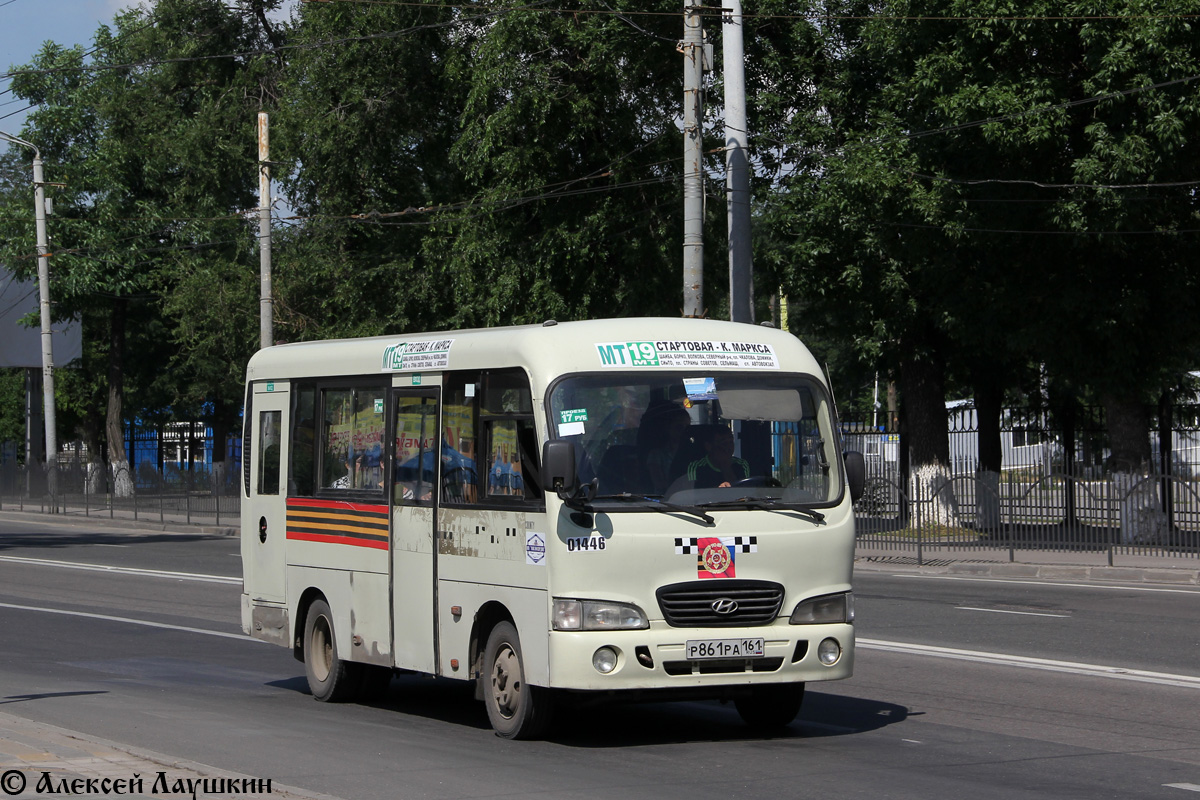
point(597, 615)
point(830, 608)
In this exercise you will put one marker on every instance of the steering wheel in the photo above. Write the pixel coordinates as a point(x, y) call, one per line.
point(759, 480)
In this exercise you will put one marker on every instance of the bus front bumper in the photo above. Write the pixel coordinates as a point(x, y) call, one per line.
point(658, 658)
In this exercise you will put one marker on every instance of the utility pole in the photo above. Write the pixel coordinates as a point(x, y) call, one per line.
point(692, 48)
point(737, 168)
point(43, 251)
point(266, 314)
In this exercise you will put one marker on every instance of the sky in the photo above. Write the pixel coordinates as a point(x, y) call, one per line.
point(25, 25)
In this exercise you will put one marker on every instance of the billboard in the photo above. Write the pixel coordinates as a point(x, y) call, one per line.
point(21, 346)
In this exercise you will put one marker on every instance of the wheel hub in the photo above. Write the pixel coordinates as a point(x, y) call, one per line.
point(506, 681)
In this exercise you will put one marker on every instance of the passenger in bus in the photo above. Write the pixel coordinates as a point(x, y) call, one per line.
point(661, 434)
point(719, 467)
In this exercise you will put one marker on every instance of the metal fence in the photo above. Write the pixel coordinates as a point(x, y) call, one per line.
point(175, 495)
point(1055, 491)
point(1158, 516)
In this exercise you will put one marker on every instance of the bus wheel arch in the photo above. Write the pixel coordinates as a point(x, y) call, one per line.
point(488, 617)
point(301, 618)
point(516, 709)
point(331, 678)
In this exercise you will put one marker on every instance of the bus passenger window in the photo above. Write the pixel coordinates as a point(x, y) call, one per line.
point(416, 450)
point(268, 452)
point(303, 441)
point(459, 477)
point(504, 478)
point(353, 439)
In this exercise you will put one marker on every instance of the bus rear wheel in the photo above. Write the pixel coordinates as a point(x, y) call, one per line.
point(772, 706)
point(515, 709)
point(330, 678)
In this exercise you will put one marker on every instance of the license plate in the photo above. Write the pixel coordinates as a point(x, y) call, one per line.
point(700, 649)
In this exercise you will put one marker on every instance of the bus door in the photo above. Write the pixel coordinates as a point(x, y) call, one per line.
point(415, 464)
point(263, 553)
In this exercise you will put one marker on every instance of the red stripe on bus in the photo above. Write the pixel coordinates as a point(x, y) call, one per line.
point(318, 537)
point(304, 502)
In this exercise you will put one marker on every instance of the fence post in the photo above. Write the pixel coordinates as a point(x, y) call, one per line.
point(1114, 504)
point(1012, 548)
point(916, 487)
point(187, 501)
point(162, 487)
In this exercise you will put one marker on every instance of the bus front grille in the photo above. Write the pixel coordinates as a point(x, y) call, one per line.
point(720, 603)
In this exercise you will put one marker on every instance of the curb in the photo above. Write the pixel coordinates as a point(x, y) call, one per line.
point(1065, 572)
point(118, 522)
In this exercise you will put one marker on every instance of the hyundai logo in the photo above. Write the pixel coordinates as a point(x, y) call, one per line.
point(724, 605)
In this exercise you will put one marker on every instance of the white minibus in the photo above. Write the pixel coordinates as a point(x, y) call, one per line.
point(632, 508)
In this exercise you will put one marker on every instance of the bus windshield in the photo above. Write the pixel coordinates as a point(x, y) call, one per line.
point(701, 438)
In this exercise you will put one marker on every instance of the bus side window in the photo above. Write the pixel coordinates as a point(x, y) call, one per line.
point(352, 439)
point(303, 441)
point(459, 476)
point(504, 476)
point(268, 451)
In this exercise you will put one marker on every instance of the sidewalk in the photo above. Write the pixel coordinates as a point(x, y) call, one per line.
point(1039, 564)
point(61, 761)
point(230, 527)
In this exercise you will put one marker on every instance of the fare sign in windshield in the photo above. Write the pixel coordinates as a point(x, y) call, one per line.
point(701, 354)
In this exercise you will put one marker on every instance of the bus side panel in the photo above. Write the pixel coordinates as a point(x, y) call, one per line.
point(497, 556)
point(334, 585)
point(529, 609)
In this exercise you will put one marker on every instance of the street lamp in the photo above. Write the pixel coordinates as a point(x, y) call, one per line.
point(39, 207)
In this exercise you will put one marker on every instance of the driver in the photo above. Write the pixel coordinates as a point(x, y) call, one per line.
point(719, 467)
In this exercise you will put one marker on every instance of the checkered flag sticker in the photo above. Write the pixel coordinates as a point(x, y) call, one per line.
point(736, 544)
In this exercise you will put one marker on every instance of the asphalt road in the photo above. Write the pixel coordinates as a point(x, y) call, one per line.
point(963, 688)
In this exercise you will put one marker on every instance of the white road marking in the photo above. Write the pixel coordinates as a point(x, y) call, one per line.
point(1191, 787)
point(1047, 583)
point(1024, 662)
point(132, 621)
point(150, 573)
point(1003, 611)
point(98, 544)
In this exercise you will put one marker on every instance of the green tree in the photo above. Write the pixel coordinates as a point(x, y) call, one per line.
point(152, 134)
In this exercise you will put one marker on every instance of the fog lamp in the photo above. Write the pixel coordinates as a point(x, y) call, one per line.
point(604, 660)
point(829, 651)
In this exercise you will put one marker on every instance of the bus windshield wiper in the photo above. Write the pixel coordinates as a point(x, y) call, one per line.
point(657, 504)
point(769, 504)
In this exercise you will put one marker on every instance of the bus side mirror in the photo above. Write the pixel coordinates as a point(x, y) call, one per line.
point(856, 473)
point(558, 466)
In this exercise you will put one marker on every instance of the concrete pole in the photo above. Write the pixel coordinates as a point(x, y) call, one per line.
point(43, 249)
point(737, 168)
point(693, 176)
point(266, 313)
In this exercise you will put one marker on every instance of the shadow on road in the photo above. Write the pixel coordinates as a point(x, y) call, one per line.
point(22, 698)
point(635, 724)
point(43, 540)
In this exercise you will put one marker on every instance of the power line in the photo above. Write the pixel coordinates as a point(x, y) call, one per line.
point(809, 16)
point(1044, 185)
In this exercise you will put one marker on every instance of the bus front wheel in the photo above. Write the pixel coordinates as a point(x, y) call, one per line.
point(515, 709)
point(330, 678)
point(770, 706)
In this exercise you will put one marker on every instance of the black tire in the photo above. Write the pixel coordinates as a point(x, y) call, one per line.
point(771, 707)
point(375, 683)
point(515, 709)
point(330, 678)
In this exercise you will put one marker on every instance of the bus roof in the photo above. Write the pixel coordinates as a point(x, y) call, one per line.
point(547, 350)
